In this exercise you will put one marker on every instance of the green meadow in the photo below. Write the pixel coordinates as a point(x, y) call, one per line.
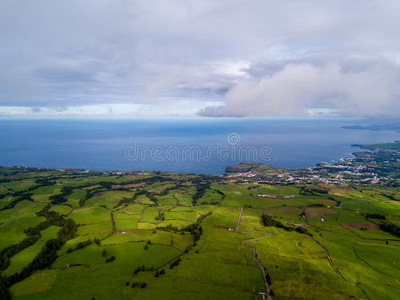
point(181, 236)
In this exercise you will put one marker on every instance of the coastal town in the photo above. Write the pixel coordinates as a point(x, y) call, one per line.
point(377, 165)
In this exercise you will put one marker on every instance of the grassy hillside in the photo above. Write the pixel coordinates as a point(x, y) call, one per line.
point(179, 236)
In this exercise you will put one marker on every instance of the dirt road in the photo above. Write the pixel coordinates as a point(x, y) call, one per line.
point(240, 218)
point(267, 287)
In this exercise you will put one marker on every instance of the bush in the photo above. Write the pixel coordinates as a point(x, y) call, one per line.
point(112, 258)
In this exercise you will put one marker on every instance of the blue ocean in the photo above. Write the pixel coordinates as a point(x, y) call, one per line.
point(196, 146)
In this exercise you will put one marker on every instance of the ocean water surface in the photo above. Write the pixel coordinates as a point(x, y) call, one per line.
point(199, 146)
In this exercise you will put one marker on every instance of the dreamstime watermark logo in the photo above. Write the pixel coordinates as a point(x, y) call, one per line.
point(231, 151)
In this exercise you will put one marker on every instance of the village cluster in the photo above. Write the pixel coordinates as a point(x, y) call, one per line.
point(370, 167)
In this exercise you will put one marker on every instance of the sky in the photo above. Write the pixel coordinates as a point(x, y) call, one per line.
point(184, 58)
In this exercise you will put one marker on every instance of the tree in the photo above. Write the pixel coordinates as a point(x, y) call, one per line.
point(268, 278)
point(4, 292)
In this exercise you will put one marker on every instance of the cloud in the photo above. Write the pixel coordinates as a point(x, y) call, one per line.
point(220, 111)
point(36, 109)
point(86, 53)
point(59, 109)
point(49, 109)
point(357, 89)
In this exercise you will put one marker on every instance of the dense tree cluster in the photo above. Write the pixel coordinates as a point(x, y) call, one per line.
point(33, 235)
point(169, 227)
point(89, 194)
point(195, 229)
point(390, 196)
point(312, 191)
point(391, 228)
point(12, 204)
point(269, 221)
point(375, 216)
point(48, 254)
point(12, 250)
point(5, 195)
point(201, 189)
point(45, 181)
point(4, 292)
point(62, 197)
point(107, 185)
point(316, 205)
point(25, 194)
point(136, 195)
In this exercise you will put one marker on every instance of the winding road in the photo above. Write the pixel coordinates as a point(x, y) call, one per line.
point(267, 287)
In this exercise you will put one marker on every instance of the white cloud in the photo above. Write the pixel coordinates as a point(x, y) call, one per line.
point(82, 53)
point(370, 91)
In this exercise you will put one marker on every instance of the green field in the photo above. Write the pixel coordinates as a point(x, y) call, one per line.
point(159, 245)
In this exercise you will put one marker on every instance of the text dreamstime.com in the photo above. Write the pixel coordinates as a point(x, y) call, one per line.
point(231, 151)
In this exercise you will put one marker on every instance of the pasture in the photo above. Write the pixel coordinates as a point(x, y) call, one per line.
point(203, 251)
